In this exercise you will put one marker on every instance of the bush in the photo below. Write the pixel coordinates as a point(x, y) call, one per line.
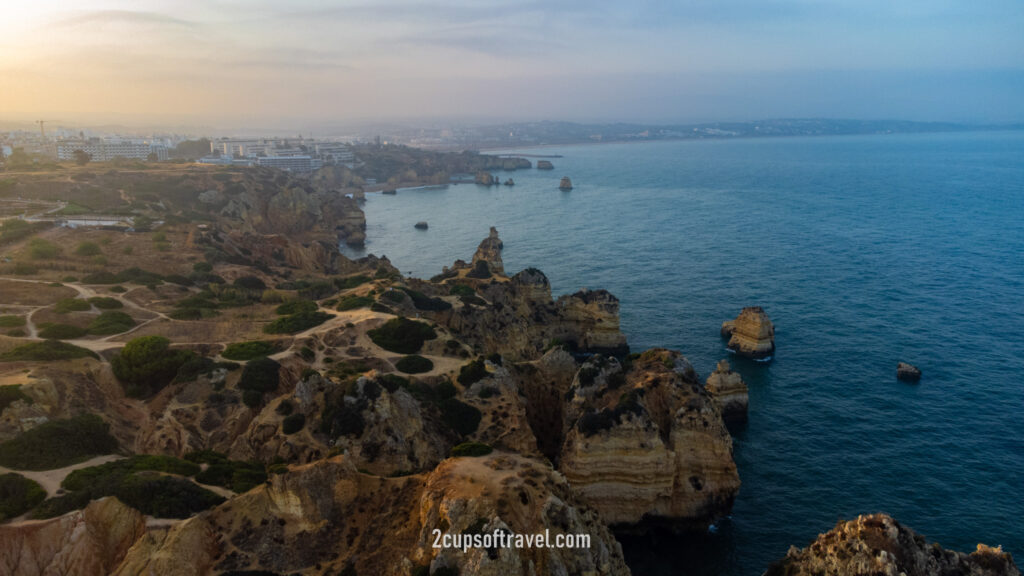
point(353, 302)
point(39, 249)
point(12, 321)
point(248, 350)
point(351, 282)
point(202, 267)
point(251, 283)
point(112, 472)
point(101, 277)
point(61, 332)
point(423, 302)
point(11, 394)
point(261, 375)
point(461, 290)
point(459, 416)
point(402, 335)
point(297, 307)
point(296, 323)
point(58, 443)
point(67, 305)
point(473, 372)
point(395, 296)
point(88, 249)
point(231, 474)
point(118, 290)
point(471, 449)
point(111, 322)
point(480, 271)
point(414, 364)
point(285, 408)
point(145, 365)
point(165, 496)
point(252, 398)
point(342, 419)
point(293, 423)
point(18, 495)
point(106, 303)
point(46, 351)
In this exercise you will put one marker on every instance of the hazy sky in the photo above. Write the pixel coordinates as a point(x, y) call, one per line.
point(281, 62)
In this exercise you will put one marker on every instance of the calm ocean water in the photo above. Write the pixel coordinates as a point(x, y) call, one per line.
point(863, 250)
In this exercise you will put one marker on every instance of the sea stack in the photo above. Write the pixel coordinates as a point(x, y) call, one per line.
point(545, 165)
point(565, 185)
point(485, 178)
point(751, 334)
point(729, 392)
point(421, 225)
point(907, 372)
point(510, 182)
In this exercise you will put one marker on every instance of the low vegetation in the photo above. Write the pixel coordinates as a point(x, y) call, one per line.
point(459, 416)
point(58, 443)
point(243, 351)
point(297, 307)
point(12, 321)
point(426, 303)
point(106, 303)
point(111, 322)
point(11, 394)
point(296, 322)
point(473, 372)
point(353, 302)
point(45, 351)
point(18, 495)
point(351, 282)
point(402, 335)
point(62, 332)
point(145, 365)
point(414, 364)
point(471, 449)
point(234, 475)
point(68, 305)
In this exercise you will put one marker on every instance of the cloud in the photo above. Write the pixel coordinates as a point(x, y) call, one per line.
point(129, 17)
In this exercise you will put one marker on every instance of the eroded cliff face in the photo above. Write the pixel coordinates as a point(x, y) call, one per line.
point(729, 392)
point(88, 542)
point(648, 444)
point(876, 544)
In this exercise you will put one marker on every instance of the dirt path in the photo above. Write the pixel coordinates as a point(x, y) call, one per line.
point(50, 479)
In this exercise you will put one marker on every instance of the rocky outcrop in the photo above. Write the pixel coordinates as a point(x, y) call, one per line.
point(545, 165)
point(876, 544)
point(729, 392)
point(505, 163)
point(751, 334)
point(88, 542)
point(486, 179)
point(648, 444)
point(565, 184)
point(510, 182)
point(907, 372)
point(421, 225)
point(593, 318)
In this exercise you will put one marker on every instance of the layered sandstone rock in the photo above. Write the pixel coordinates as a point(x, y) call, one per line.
point(545, 165)
point(489, 252)
point(593, 315)
point(876, 544)
point(565, 185)
point(729, 391)
point(88, 542)
point(751, 334)
point(649, 444)
point(486, 179)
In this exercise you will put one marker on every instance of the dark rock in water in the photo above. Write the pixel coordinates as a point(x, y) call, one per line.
point(390, 192)
point(509, 182)
point(878, 544)
point(565, 185)
point(729, 392)
point(907, 372)
point(545, 165)
point(486, 179)
point(421, 226)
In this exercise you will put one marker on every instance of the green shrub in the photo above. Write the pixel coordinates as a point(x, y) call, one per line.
point(296, 323)
point(285, 408)
point(88, 249)
point(395, 296)
point(46, 351)
point(178, 279)
point(58, 443)
point(12, 321)
point(473, 372)
point(318, 290)
point(378, 307)
point(248, 350)
point(11, 394)
point(252, 398)
point(402, 335)
point(461, 290)
point(165, 496)
point(293, 423)
point(459, 416)
point(297, 307)
point(18, 495)
point(101, 277)
point(251, 283)
point(111, 473)
point(62, 332)
point(202, 267)
point(39, 249)
point(414, 364)
point(118, 290)
point(471, 449)
point(342, 418)
point(231, 474)
point(111, 322)
point(261, 375)
point(25, 269)
point(423, 302)
point(106, 303)
point(353, 302)
point(67, 305)
point(350, 282)
point(160, 237)
point(481, 270)
point(197, 366)
point(146, 364)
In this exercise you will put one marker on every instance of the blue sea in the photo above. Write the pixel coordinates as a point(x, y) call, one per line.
point(864, 250)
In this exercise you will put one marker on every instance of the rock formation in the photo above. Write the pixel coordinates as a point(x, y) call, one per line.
point(489, 252)
point(421, 225)
point(729, 392)
point(751, 334)
point(876, 544)
point(545, 165)
point(908, 372)
point(649, 444)
point(486, 179)
point(565, 184)
point(510, 182)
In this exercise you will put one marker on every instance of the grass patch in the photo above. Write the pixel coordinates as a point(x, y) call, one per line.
point(12, 321)
point(46, 351)
point(351, 282)
point(62, 332)
point(58, 443)
point(402, 335)
point(39, 249)
point(414, 364)
point(18, 495)
point(297, 307)
point(111, 322)
point(106, 303)
point(248, 350)
point(68, 305)
point(88, 249)
point(353, 302)
point(296, 323)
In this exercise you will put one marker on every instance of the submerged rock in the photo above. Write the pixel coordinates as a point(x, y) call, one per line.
point(729, 391)
point(908, 372)
point(565, 185)
point(421, 225)
point(751, 334)
point(876, 544)
point(389, 191)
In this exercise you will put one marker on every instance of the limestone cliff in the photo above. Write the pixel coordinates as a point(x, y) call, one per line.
point(729, 392)
point(751, 334)
point(876, 544)
point(648, 444)
point(88, 542)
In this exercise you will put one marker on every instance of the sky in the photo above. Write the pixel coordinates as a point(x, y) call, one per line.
point(234, 63)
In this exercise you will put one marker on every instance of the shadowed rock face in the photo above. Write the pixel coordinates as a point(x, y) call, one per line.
point(751, 334)
point(729, 391)
point(648, 445)
point(876, 544)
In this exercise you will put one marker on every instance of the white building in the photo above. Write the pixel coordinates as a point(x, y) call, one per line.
point(108, 149)
point(290, 163)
